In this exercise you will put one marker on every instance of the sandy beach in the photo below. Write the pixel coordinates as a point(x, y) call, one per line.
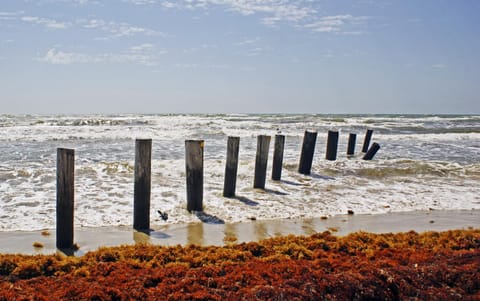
point(206, 234)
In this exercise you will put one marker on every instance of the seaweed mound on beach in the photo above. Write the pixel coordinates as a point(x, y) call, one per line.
point(360, 266)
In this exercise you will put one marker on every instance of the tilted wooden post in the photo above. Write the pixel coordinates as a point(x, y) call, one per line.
point(352, 138)
point(231, 167)
point(308, 148)
point(194, 169)
point(332, 145)
point(65, 197)
point(371, 151)
point(263, 144)
point(278, 157)
point(366, 142)
point(142, 186)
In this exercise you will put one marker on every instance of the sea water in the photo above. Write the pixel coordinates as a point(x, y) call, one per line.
point(426, 162)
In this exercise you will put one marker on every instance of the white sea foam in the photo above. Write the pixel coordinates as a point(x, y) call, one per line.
point(425, 163)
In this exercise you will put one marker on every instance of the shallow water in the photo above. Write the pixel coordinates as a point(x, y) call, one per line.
point(424, 162)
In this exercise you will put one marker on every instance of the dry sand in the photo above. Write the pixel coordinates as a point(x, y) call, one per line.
point(89, 239)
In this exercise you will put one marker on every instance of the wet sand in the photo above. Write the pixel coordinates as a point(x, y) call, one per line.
point(89, 239)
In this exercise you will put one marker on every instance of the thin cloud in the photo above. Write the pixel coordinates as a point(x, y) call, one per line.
point(338, 24)
point(252, 47)
point(144, 54)
point(74, 2)
point(275, 10)
point(169, 4)
point(165, 4)
point(93, 23)
point(255, 51)
point(248, 42)
point(439, 66)
point(278, 10)
point(142, 48)
point(49, 23)
point(116, 29)
point(56, 57)
point(203, 47)
point(186, 66)
point(5, 15)
point(202, 66)
point(299, 13)
point(140, 2)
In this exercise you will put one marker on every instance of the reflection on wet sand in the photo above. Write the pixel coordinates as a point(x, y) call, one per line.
point(195, 234)
point(231, 234)
point(260, 231)
point(141, 237)
point(309, 227)
point(220, 234)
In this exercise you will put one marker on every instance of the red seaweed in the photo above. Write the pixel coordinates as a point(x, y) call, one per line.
point(360, 266)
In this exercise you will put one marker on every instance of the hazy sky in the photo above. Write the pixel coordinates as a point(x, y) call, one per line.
point(245, 56)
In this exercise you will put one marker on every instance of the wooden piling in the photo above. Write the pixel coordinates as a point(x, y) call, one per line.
point(263, 144)
point(308, 149)
point(142, 186)
point(194, 174)
point(332, 146)
point(231, 166)
point(278, 157)
point(366, 142)
point(65, 197)
point(371, 151)
point(352, 139)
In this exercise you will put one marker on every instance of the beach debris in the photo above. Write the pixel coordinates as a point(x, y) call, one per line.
point(230, 239)
point(323, 217)
point(252, 218)
point(432, 221)
point(332, 229)
point(45, 233)
point(350, 212)
point(37, 245)
point(163, 215)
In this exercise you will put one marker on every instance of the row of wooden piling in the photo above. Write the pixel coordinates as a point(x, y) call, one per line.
point(194, 174)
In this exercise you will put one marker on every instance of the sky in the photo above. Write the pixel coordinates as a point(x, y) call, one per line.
point(239, 56)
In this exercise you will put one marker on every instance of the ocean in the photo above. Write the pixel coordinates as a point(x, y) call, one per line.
point(426, 162)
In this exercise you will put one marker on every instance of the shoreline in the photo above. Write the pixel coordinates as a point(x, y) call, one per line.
point(90, 239)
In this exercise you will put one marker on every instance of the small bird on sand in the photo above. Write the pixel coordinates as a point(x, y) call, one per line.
point(163, 215)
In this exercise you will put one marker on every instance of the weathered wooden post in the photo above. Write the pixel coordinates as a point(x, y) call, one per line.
point(231, 166)
point(366, 142)
point(65, 197)
point(308, 148)
point(332, 146)
point(194, 173)
point(371, 151)
point(278, 157)
point(352, 139)
point(263, 144)
point(142, 186)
